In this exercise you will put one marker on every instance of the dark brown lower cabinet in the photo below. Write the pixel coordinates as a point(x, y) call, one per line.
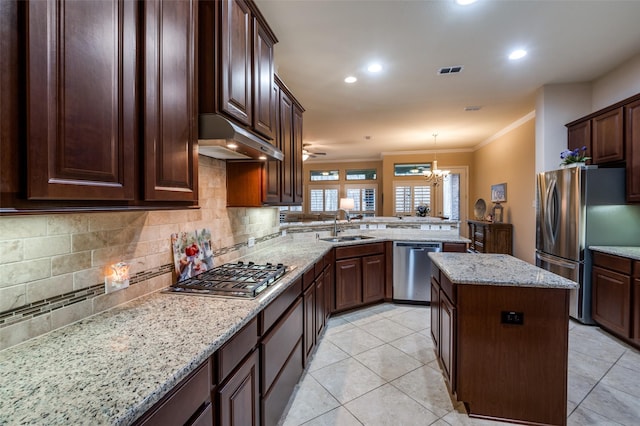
point(309, 297)
point(239, 395)
point(360, 275)
point(615, 290)
point(188, 404)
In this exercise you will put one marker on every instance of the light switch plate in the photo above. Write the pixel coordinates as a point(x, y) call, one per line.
point(251, 242)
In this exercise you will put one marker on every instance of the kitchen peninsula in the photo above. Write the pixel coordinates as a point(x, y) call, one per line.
point(500, 328)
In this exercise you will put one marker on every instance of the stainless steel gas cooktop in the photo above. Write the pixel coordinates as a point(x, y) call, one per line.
point(244, 280)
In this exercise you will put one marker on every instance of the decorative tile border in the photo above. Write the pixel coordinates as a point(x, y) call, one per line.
point(45, 306)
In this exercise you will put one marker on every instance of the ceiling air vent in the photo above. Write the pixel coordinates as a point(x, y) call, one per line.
point(450, 70)
point(472, 108)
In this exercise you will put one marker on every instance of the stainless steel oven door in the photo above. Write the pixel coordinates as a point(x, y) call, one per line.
point(579, 300)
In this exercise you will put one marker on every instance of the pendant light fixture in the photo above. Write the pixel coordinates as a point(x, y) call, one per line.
point(435, 175)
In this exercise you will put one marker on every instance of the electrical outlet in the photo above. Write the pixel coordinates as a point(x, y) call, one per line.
point(512, 317)
point(251, 242)
point(284, 232)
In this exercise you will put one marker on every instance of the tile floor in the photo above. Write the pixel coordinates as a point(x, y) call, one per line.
point(376, 366)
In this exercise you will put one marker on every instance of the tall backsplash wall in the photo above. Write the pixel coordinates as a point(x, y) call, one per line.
point(52, 266)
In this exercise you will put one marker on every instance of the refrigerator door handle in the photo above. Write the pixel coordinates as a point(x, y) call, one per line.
point(551, 213)
point(556, 261)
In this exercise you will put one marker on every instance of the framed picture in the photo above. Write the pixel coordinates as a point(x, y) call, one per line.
point(499, 193)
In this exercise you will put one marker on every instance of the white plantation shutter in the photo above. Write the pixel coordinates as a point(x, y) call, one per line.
point(323, 199)
point(364, 197)
point(408, 195)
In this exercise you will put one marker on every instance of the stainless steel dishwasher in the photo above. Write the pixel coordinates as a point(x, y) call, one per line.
point(412, 271)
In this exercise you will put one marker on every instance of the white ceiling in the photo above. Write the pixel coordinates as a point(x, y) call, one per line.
point(323, 41)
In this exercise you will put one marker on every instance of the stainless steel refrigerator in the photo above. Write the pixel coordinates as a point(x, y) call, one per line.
point(578, 208)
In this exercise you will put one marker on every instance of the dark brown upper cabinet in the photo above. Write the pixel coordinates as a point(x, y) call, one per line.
point(608, 140)
point(103, 103)
point(632, 139)
point(579, 135)
point(81, 100)
point(236, 64)
point(170, 103)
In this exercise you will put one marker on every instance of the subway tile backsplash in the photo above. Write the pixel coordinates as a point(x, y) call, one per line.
point(52, 266)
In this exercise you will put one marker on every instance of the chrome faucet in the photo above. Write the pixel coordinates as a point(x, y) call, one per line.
point(335, 221)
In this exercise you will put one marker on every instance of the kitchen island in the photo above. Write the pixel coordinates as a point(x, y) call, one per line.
point(500, 328)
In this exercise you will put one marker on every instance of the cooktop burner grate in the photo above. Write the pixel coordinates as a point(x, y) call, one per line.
point(232, 279)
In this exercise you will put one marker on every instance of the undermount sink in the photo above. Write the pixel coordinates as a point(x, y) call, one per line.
point(346, 238)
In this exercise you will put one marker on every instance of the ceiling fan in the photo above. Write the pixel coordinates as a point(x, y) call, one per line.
point(307, 153)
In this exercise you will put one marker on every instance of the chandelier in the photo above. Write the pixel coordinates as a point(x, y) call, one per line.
point(435, 175)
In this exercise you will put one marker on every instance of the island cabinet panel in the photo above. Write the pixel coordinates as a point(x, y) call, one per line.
point(636, 303)
point(447, 340)
point(608, 137)
point(579, 135)
point(81, 133)
point(170, 103)
point(632, 146)
point(512, 371)
point(189, 400)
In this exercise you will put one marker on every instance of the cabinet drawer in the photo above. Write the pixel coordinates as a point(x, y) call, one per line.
point(275, 401)
point(615, 263)
point(435, 272)
point(234, 351)
point(329, 258)
point(308, 277)
point(359, 250)
point(279, 306)
point(278, 344)
point(454, 247)
point(185, 401)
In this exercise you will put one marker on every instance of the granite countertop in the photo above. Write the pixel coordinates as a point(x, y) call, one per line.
point(112, 367)
point(496, 269)
point(630, 252)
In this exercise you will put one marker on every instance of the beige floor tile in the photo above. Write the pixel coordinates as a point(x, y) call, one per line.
point(347, 379)
point(388, 362)
point(630, 359)
point(613, 404)
point(426, 386)
point(415, 319)
point(326, 354)
point(579, 386)
point(354, 341)
point(625, 380)
point(338, 417)
point(582, 416)
point(595, 343)
point(386, 405)
point(337, 325)
point(459, 417)
point(386, 330)
point(418, 346)
point(362, 317)
point(309, 401)
point(587, 366)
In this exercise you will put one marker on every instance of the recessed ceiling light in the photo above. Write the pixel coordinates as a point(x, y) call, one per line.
point(465, 2)
point(350, 79)
point(517, 54)
point(374, 68)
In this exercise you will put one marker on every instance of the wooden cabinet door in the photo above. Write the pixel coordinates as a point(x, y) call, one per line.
point(328, 292)
point(447, 338)
point(579, 135)
point(81, 100)
point(170, 103)
point(348, 288)
point(286, 140)
point(273, 167)
point(373, 278)
point(309, 319)
point(235, 66)
point(435, 315)
point(632, 142)
point(263, 117)
point(611, 304)
point(607, 137)
point(636, 307)
point(239, 396)
point(296, 153)
point(320, 305)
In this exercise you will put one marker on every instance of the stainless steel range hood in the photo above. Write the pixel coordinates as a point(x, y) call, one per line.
point(222, 139)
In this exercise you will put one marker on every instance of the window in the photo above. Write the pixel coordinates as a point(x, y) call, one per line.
point(288, 209)
point(451, 197)
point(322, 175)
point(362, 174)
point(364, 197)
point(323, 199)
point(410, 169)
point(408, 195)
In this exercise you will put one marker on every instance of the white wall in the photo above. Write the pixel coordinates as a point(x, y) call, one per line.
point(557, 105)
point(619, 84)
